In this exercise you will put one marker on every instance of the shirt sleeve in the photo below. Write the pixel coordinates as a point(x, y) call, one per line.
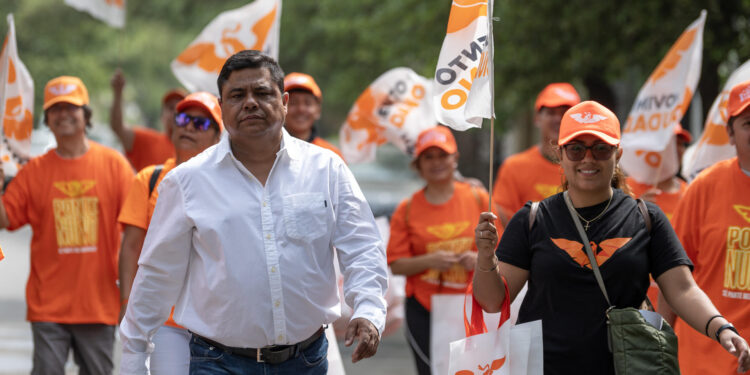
point(162, 268)
point(505, 192)
point(360, 251)
point(135, 209)
point(399, 244)
point(16, 200)
point(514, 247)
point(686, 220)
point(665, 250)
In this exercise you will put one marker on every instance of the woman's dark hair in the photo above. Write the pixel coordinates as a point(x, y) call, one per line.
point(618, 178)
point(87, 113)
point(250, 59)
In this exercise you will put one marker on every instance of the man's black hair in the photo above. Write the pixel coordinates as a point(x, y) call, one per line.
point(251, 59)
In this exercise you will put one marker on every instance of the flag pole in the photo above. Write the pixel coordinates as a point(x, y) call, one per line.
point(491, 52)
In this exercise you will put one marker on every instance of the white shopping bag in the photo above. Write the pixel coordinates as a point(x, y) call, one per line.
point(510, 350)
point(335, 363)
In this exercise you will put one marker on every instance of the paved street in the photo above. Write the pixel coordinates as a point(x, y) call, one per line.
point(393, 357)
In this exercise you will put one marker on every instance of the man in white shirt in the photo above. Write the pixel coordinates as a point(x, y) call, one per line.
point(242, 243)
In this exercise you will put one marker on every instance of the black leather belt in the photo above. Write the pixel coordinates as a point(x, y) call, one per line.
point(270, 354)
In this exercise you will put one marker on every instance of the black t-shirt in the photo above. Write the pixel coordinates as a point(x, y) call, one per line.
point(563, 292)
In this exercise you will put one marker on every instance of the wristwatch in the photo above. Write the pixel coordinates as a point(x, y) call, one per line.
point(728, 326)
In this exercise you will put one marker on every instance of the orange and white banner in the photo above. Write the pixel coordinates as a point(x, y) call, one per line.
point(16, 105)
point(660, 104)
point(395, 108)
point(713, 145)
point(110, 11)
point(463, 91)
point(254, 26)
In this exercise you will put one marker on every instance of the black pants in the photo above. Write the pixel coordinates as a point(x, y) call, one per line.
point(418, 334)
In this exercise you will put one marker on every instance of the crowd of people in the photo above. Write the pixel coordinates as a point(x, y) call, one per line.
point(212, 243)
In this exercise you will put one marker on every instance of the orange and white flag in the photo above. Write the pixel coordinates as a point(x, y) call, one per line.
point(649, 155)
point(395, 108)
point(463, 90)
point(713, 145)
point(254, 26)
point(16, 105)
point(111, 12)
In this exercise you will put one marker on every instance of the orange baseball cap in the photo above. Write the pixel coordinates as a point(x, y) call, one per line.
point(682, 133)
point(439, 136)
point(302, 81)
point(203, 100)
point(739, 99)
point(589, 117)
point(65, 89)
point(557, 94)
point(173, 94)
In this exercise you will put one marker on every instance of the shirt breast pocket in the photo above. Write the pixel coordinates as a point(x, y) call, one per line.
point(306, 215)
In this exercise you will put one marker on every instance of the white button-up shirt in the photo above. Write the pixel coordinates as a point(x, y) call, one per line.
point(249, 265)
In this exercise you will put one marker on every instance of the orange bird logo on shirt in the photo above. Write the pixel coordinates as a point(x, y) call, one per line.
point(603, 251)
point(487, 369)
point(448, 230)
point(744, 211)
point(74, 188)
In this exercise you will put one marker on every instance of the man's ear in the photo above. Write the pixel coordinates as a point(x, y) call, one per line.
point(619, 154)
point(730, 131)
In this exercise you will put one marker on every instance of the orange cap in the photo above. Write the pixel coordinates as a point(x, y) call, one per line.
point(739, 99)
point(203, 100)
point(589, 117)
point(439, 136)
point(557, 94)
point(682, 133)
point(65, 89)
point(302, 81)
point(173, 93)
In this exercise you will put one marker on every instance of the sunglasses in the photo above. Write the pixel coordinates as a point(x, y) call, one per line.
point(202, 123)
point(600, 151)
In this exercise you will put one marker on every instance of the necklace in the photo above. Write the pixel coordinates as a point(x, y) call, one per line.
point(588, 222)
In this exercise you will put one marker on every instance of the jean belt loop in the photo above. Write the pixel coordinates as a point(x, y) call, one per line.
point(258, 356)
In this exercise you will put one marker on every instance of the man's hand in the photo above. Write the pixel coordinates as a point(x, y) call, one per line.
point(365, 332)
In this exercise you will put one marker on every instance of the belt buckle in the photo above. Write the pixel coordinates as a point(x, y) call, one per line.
point(258, 356)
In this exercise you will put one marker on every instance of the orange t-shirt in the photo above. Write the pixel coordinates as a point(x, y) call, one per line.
point(713, 224)
point(150, 147)
point(668, 203)
point(428, 228)
point(325, 144)
point(527, 176)
point(139, 206)
point(72, 207)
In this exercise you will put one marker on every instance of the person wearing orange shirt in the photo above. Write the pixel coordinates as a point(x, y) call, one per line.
point(71, 197)
point(534, 174)
point(713, 223)
point(431, 240)
point(144, 146)
point(304, 109)
point(198, 126)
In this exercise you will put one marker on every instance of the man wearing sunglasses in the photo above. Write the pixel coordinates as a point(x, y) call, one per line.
point(534, 174)
point(144, 146)
point(245, 244)
point(198, 125)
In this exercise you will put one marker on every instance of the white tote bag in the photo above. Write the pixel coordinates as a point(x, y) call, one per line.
point(510, 350)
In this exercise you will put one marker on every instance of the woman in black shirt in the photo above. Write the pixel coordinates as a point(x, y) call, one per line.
point(563, 292)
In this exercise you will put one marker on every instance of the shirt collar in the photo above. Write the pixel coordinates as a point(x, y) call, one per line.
point(289, 145)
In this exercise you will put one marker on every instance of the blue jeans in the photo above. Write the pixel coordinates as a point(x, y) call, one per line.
point(208, 360)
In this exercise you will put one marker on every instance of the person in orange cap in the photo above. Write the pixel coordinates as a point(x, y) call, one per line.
point(713, 223)
point(198, 125)
point(144, 146)
point(304, 109)
point(71, 197)
point(534, 174)
point(431, 239)
point(549, 253)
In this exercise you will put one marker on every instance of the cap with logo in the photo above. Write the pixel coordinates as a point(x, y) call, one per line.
point(739, 99)
point(556, 95)
point(203, 100)
point(439, 136)
point(65, 89)
point(302, 81)
point(589, 117)
point(178, 94)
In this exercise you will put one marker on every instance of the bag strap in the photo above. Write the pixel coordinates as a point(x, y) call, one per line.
point(474, 325)
point(644, 212)
point(154, 178)
point(587, 246)
point(532, 214)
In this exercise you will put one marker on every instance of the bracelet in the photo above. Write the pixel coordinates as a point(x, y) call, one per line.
point(489, 270)
point(728, 326)
point(709, 322)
